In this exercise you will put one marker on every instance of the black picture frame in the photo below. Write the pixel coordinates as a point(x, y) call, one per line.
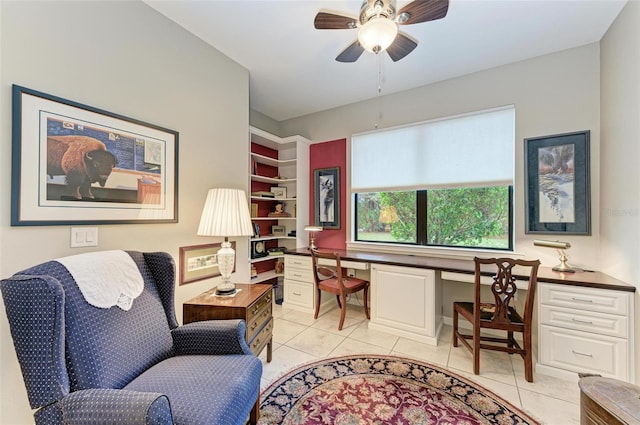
point(557, 182)
point(326, 195)
point(134, 165)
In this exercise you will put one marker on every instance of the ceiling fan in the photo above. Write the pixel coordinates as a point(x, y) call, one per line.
point(378, 26)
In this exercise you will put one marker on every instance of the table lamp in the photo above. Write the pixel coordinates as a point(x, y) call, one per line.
point(560, 246)
point(225, 213)
point(312, 235)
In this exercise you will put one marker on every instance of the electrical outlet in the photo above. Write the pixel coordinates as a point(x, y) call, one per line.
point(351, 272)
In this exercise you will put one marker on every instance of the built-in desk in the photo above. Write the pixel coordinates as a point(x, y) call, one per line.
point(585, 319)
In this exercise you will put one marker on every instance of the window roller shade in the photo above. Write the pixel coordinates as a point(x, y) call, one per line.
point(464, 151)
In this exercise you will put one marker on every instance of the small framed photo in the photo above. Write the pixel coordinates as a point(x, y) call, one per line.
point(199, 262)
point(279, 192)
point(278, 230)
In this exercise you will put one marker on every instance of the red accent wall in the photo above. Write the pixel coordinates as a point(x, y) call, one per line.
point(329, 155)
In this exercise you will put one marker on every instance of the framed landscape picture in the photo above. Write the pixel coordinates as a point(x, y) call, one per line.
point(198, 262)
point(558, 198)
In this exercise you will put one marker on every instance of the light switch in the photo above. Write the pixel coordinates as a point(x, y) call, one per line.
point(84, 236)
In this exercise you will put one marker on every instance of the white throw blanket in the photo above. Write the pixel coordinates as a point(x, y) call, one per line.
point(106, 278)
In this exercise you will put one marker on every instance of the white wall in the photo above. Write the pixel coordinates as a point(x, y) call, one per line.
point(620, 123)
point(126, 58)
point(553, 94)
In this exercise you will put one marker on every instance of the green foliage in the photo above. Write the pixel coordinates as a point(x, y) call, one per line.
point(465, 216)
point(404, 230)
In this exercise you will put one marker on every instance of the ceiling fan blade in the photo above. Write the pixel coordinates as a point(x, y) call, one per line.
point(351, 53)
point(423, 11)
point(401, 46)
point(326, 20)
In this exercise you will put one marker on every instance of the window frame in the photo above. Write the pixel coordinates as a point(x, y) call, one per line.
point(421, 226)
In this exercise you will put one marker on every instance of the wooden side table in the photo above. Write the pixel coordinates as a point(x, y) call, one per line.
point(606, 401)
point(253, 304)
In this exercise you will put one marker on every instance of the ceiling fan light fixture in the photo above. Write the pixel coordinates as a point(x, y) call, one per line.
point(377, 34)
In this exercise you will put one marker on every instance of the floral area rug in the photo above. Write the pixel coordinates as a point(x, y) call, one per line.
point(380, 390)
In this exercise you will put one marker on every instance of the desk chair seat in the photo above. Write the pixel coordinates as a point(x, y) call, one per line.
point(330, 279)
point(499, 315)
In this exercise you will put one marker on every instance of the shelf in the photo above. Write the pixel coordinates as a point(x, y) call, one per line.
point(264, 198)
point(266, 276)
point(271, 237)
point(271, 218)
point(266, 258)
point(261, 159)
point(273, 180)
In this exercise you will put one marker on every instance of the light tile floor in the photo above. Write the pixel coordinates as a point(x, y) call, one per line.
point(298, 339)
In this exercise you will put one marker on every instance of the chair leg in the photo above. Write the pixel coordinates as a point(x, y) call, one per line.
point(318, 298)
point(510, 339)
point(366, 302)
point(476, 350)
point(339, 303)
point(454, 341)
point(528, 356)
point(343, 313)
point(255, 412)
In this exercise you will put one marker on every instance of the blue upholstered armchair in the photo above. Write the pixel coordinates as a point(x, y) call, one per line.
point(84, 364)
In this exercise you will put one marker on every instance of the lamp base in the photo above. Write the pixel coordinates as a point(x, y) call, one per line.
point(226, 292)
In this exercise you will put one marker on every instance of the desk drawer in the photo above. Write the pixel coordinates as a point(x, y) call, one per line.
point(298, 274)
point(587, 321)
point(298, 293)
point(584, 352)
point(581, 298)
point(297, 262)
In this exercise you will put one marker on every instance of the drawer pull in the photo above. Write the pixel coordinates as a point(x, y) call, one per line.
point(581, 354)
point(582, 300)
point(254, 326)
point(297, 274)
point(586, 322)
point(297, 294)
point(255, 310)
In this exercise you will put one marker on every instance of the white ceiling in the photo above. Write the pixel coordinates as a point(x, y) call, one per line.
point(292, 67)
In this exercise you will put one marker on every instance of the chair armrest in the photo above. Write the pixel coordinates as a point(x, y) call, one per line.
point(94, 406)
point(211, 337)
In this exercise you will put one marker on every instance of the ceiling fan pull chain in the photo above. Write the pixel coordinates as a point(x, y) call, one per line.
point(379, 92)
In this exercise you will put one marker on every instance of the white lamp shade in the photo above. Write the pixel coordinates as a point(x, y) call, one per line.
point(377, 34)
point(225, 213)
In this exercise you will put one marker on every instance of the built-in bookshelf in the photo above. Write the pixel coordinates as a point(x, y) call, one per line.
point(279, 174)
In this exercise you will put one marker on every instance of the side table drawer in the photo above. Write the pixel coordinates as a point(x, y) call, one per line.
point(587, 321)
point(583, 352)
point(258, 308)
point(257, 322)
point(257, 344)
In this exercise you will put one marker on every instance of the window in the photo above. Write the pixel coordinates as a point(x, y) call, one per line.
point(440, 183)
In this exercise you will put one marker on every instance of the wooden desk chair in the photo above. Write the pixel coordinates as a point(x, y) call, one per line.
point(331, 280)
point(499, 315)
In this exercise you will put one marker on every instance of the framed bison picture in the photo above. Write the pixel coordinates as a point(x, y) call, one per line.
point(76, 164)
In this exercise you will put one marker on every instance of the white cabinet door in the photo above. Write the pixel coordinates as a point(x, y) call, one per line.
point(406, 301)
